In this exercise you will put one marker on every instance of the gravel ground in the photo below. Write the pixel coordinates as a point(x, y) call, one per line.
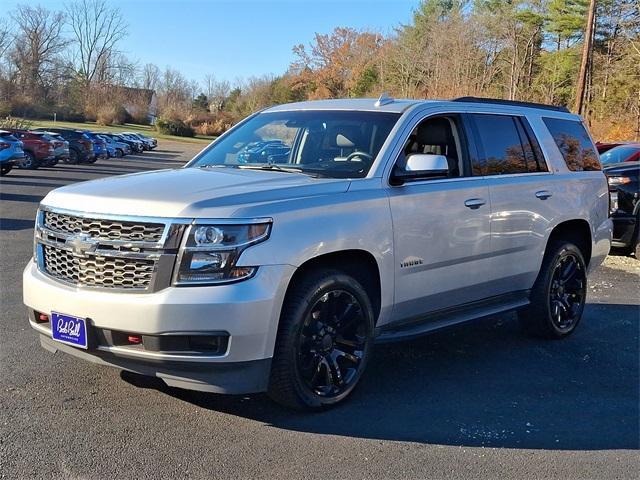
point(482, 401)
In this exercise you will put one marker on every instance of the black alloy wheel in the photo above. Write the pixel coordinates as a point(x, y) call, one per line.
point(567, 292)
point(332, 343)
point(559, 294)
point(325, 339)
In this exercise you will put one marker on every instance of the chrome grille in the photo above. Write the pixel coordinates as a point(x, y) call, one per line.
point(103, 229)
point(98, 271)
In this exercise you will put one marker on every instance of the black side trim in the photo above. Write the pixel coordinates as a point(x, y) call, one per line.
point(438, 319)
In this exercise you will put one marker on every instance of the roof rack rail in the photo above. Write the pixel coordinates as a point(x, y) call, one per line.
point(515, 103)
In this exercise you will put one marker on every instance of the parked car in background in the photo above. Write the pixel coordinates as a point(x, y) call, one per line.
point(38, 151)
point(115, 148)
point(624, 192)
point(134, 144)
point(99, 146)
point(60, 145)
point(264, 152)
point(605, 146)
point(11, 152)
point(628, 152)
point(149, 142)
point(80, 145)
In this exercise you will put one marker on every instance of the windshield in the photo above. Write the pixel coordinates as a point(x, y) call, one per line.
point(618, 154)
point(327, 143)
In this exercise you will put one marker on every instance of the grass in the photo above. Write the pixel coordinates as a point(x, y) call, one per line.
point(127, 127)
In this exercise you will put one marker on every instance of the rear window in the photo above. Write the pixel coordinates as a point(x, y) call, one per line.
point(574, 143)
point(507, 145)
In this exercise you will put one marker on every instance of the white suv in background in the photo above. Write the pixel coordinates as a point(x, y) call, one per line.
point(280, 253)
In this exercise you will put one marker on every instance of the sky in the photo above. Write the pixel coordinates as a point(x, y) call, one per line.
point(237, 39)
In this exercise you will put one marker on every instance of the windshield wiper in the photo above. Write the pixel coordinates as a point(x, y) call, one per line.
point(271, 166)
point(267, 166)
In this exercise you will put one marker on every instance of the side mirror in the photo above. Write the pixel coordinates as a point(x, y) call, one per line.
point(419, 166)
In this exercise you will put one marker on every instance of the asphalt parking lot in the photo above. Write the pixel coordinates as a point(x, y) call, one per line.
point(482, 401)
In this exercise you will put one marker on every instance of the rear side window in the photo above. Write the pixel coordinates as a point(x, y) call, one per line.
point(507, 145)
point(574, 143)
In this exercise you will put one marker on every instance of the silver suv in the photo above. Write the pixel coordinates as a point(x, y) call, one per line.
point(280, 253)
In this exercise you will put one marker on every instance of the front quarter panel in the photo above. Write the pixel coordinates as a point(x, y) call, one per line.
point(306, 228)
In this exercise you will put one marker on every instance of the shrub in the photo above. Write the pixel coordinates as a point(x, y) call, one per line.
point(111, 115)
point(174, 127)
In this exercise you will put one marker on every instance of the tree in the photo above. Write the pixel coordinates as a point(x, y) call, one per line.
point(334, 64)
point(217, 91)
point(201, 103)
point(149, 77)
point(38, 42)
point(97, 29)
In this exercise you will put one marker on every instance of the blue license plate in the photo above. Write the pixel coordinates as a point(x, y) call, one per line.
point(69, 329)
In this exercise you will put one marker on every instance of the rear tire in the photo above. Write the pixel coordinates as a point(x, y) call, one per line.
point(559, 294)
point(324, 341)
point(119, 153)
point(74, 157)
point(5, 169)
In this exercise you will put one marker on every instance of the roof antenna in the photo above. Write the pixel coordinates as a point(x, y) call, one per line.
point(383, 100)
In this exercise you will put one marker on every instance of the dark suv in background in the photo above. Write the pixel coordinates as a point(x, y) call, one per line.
point(624, 194)
point(80, 145)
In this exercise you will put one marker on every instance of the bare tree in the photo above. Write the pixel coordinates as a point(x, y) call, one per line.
point(97, 29)
point(150, 76)
point(38, 41)
point(217, 91)
point(5, 37)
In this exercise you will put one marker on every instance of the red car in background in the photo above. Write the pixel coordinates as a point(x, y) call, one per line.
point(627, 152)
point(37, 150)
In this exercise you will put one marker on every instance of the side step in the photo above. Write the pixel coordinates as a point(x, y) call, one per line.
point(440, 319)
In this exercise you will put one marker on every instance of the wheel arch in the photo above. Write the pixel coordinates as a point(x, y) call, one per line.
point(578, 232)
point(357, 263)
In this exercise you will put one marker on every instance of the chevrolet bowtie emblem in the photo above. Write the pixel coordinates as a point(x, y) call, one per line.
point(81, 244)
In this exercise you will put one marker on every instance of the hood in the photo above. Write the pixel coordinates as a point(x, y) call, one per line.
point(189, 192)
point(622, 167)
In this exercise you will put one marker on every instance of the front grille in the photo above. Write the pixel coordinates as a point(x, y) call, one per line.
point(98, 271)
point(102, 229)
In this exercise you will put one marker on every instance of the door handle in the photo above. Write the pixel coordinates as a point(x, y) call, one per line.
point(474, 203)
point(543, 194)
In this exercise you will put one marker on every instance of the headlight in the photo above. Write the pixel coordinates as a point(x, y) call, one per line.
point(209, 253)
point(615, 181)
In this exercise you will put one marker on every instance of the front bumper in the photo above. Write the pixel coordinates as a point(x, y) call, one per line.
point(247, 311)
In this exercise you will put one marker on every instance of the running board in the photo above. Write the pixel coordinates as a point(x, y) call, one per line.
point(440, 319)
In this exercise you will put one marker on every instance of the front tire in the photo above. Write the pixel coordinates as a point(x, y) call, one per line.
point(324, 341)
point(559, 294)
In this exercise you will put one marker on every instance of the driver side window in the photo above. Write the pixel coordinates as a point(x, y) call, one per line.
point(439, 136)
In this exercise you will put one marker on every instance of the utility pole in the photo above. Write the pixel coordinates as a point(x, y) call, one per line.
point(586, 53)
